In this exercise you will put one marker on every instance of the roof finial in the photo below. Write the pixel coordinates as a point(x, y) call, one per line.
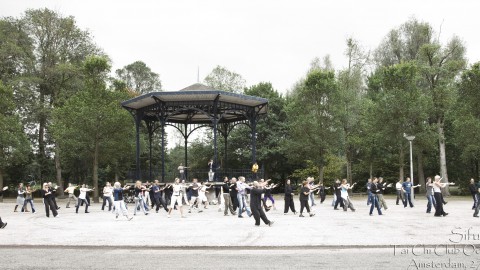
point(198, 74)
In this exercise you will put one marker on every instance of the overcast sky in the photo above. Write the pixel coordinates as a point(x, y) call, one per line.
point(272, 41)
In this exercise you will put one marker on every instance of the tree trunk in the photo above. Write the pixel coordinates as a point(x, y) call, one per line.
point(41, 136)
point(421, 174)
point(401, 162)
point(321, 170)
point(116, 176)
point(58, 168)
point(371, 170)
point(95, 174)
point(349, 167)
point(1, 183)
point(443, 157)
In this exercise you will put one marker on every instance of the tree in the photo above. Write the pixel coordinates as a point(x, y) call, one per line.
point(349, 97)
point(467, 117)
point(440, 65)
point(222, 79)
point(91, 123)
point(139, 78)
point(311, 119)
point(14, 146)
point(59, 48)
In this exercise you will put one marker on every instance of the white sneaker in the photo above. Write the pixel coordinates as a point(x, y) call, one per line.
point(168, 215)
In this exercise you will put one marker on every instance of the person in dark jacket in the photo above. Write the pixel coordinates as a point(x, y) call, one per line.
point(2, 224)
point(256, 203)
point(47, 194)
point(322, 191)
point(234, 193)
point(289, 198)
point(375, 189)
point(304, 195)
point(337, 188)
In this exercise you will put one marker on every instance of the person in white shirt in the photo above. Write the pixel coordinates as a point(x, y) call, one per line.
point(437, 190)
point(398, 187)
point(83, 197)
point(176, 197)
point(71, 196)
point(107, 196)
point(344, 194)
point(202, 197)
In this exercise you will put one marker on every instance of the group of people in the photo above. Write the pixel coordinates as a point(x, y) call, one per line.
point(237, 197)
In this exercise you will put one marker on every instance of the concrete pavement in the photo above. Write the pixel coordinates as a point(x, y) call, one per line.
point(328, 228)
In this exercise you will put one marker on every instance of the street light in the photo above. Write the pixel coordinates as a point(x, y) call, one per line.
point(410, 139)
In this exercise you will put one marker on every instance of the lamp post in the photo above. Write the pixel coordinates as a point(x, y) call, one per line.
point(410, 139)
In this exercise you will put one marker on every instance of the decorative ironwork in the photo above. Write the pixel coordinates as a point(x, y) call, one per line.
point(188, 110)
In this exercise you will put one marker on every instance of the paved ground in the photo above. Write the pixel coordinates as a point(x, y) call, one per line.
point(229, 241)
point(305, 258)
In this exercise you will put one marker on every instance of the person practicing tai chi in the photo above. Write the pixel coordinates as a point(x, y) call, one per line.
point(29, 199)
point(382, 186)
point(71, 195)
point(437, 189)
point(289, 198)
point(322, 192)
point(181, 170)
point(83, 198)
point(242, 197)
point(256, 203)
point(430, 196)
point(118, 202)
point(374, 189)
point(2, 224)
point(176, 197)
point(304, 196)
point(399, 190)
point(20, 198)
point(407, 190)
point(268, 195)
point(107, 196)
point(48, 201)
point(194, 199)
point(347, 203)
point(139, 201)
point(227, 200)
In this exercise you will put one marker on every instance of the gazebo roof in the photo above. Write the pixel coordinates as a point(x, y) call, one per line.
point(196, 104)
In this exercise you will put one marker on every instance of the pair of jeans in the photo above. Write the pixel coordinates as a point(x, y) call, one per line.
point(375, 204)
point(159, 201)
point(139, 202)
point(110, 203)
point(370, 197)
point(81, 201)
point(31, 204)
point(408, 198)
point(311, 196)
point(242, 202)
point(431, 202)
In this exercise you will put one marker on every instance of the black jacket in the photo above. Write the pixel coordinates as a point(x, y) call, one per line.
point(375, 189)
point(288, 190)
